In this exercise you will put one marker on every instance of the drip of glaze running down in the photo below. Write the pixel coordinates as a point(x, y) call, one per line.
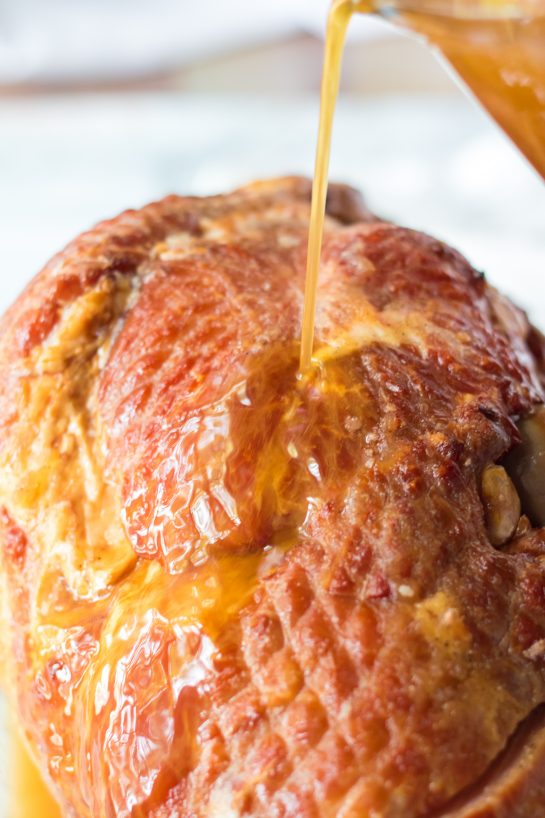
point(498, 49)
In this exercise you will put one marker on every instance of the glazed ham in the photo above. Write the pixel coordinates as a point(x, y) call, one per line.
point(231, 591)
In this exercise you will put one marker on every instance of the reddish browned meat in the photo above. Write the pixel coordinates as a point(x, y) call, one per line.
point(231, 592)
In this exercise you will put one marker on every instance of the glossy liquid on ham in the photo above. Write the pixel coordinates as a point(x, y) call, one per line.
point(230, 591)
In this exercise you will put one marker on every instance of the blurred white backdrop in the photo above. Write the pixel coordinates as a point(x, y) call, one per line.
point(95, 40)
point(433, 162)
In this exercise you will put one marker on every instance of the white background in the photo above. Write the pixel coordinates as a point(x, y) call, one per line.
point(90, 40)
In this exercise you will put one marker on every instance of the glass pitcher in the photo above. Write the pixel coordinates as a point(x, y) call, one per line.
point(497, 47)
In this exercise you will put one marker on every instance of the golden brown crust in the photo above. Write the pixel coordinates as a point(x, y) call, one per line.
point(230, 594)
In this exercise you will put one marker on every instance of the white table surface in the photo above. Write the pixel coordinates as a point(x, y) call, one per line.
point(433, 163)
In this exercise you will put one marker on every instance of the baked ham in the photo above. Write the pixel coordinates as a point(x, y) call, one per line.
point(230, 591)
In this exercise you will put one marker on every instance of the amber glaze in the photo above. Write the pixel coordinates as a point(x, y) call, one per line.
point(28, 795)
point(498, 48)
point(233, 592)
point(338, 20)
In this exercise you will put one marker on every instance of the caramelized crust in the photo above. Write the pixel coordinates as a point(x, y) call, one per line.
point(229, 592)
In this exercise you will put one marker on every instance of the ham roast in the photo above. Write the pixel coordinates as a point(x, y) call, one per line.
point(231, 591)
